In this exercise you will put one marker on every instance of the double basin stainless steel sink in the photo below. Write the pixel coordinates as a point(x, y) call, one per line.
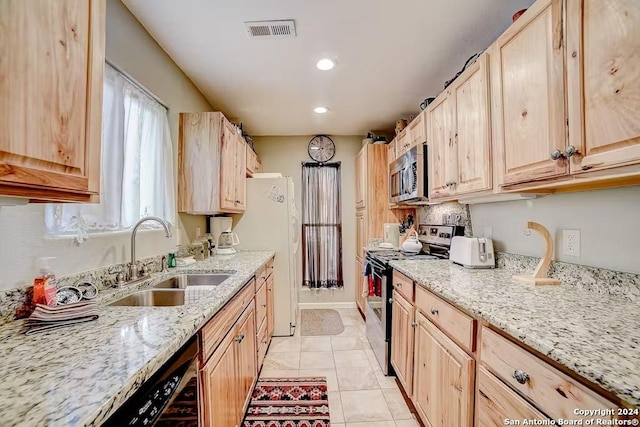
point(171, 291)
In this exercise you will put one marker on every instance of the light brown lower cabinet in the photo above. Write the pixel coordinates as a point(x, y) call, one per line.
point(270, 307)
point(228, 377)
point(496, 402)
point(402, 313)
point(360, 286)
point(443, 378)
point(218, 382)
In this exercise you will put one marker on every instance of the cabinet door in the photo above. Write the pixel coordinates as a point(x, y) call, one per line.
point(361, 233)
point(403, 141)
point(391, 151)
point(603, 45)
point(241, 174)
point(473, 129)
point(246, 361)
point(361, 178)
point(360, 282)
point(402, 315)
point(51, 98)
point(228, 168)
point(270, 307)
point(218, 385)
point(444, 378)
point(417, 130)
point(528, 92)
point(199, 159)
point(495, 402)
point(441, 148)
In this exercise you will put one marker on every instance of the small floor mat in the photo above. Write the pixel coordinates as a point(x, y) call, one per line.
point(320, 321)
point(289, 402)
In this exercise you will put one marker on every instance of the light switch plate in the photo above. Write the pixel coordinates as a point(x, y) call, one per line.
point(571, 242)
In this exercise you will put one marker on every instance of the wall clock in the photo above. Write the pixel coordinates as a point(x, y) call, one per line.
point(321, 148)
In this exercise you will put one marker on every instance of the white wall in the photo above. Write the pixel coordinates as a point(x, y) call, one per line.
point(22, 231)
point(285, 154)
point(608, 220)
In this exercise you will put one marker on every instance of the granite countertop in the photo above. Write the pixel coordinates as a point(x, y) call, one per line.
point(595, 335)
point(79, 375)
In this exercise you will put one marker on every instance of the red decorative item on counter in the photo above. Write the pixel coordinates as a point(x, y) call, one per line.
point(371, 285)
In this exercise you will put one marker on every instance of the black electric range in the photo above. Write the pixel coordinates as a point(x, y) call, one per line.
point(436, 241)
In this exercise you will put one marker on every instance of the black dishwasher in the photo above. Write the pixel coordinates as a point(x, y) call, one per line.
point(168, 398)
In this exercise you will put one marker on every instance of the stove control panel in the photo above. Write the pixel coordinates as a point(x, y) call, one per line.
point(440, 235)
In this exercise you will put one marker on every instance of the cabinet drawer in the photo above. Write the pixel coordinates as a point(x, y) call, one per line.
point(403, 285)
point(496, 402)
point(261, 304)
point(262, 343)
point(555, 393)
point(452, 321)
point(215, 330)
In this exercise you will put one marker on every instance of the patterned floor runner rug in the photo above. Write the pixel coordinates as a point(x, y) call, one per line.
point(289, 402)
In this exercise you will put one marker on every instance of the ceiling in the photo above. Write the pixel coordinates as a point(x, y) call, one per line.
point(391, 55)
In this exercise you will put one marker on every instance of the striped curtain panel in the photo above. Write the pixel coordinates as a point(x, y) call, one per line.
point(322, 225)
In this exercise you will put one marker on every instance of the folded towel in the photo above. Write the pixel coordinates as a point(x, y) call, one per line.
point(181, 262)
point(45, 318)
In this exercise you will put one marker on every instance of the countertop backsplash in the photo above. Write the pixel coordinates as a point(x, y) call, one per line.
point(593, 279)
point(433, 215)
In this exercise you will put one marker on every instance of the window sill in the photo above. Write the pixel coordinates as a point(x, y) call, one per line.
point(102, 234)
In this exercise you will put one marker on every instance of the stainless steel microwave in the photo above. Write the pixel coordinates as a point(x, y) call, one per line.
point(408, 177)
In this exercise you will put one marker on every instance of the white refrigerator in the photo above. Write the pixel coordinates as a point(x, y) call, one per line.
point(270, 222)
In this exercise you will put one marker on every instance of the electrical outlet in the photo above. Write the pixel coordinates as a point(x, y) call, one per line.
point(488, 232)
point(571, 242)
point(197, 232)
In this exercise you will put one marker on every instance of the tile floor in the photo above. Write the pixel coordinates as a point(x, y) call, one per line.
point(359, 394)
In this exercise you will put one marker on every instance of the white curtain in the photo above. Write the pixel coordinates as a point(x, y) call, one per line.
point(137, 176)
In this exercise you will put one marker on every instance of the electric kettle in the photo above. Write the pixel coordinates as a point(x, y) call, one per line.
point(226, 242)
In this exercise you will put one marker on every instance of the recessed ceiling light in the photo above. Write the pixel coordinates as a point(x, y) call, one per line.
point(320, 110)
point(325, 64)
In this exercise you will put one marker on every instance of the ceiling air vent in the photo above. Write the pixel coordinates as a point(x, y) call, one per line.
point(270, 29)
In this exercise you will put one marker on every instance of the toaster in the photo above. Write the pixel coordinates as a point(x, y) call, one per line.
point(472, 252)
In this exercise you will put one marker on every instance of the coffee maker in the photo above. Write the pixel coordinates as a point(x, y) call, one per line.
point(222, 236)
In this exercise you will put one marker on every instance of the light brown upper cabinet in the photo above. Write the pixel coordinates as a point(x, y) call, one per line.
point(51, 98)
point(212, 165)
point(459, 129)
point(527, 85)
point(253, 162)
point(361, 179)
point(472, 128)
point(603, 74)
point(417, 131)
point(441, 148)
point(403, 142)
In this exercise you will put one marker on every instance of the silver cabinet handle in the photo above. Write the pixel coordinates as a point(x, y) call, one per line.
point(556, 154)
point(390, 300)
point(414, 324)
point(570, 151)
point(264, 305)
point(434, 311)
point(239, 338)
point(521, 376)
point(399, 284)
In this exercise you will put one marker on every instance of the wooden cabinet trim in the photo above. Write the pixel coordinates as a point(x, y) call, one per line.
point(495, 402)
point(549, 389)
point(403, 285)
point(460, 327)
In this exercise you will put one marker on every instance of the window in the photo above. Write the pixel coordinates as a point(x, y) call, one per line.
point(136, 166)
point(322, 226)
